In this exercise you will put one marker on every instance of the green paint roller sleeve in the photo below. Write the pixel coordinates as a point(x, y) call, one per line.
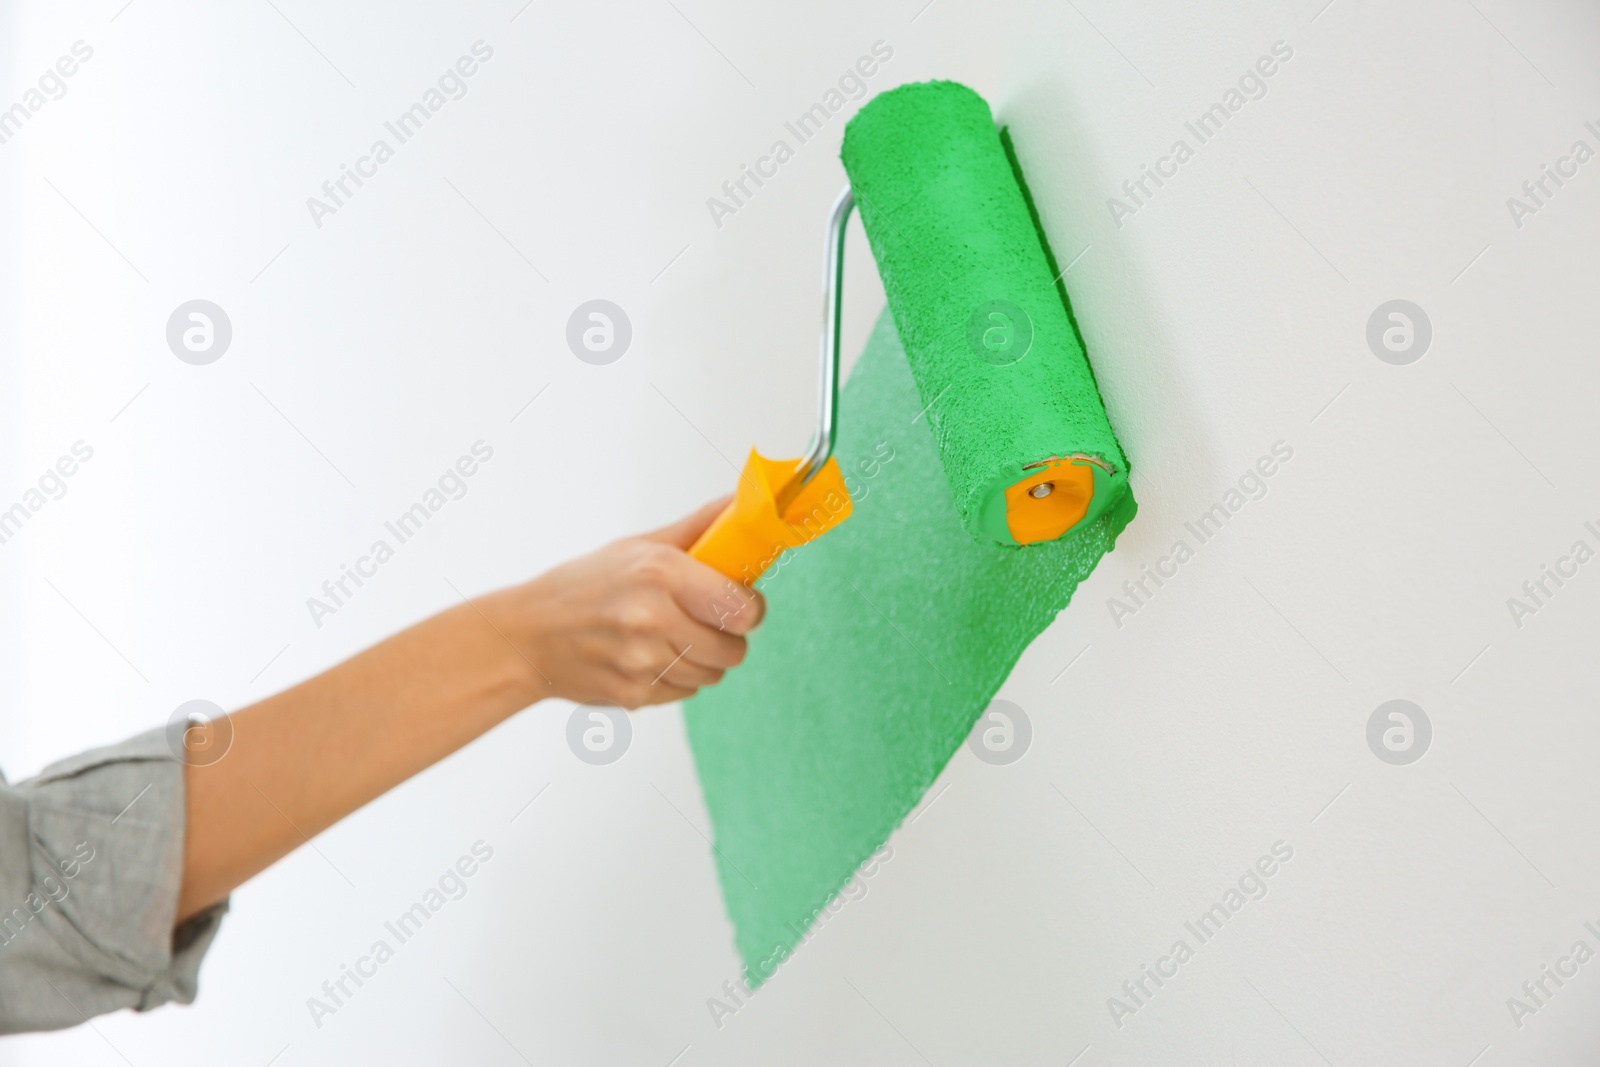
point(1019, 426)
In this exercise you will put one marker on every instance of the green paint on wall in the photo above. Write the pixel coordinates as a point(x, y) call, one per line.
point(884, 641)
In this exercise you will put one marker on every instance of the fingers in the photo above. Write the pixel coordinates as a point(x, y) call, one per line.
point(686, 674)
point(704, 593)
point(676, 678)
point(708, 597)
point(656, 650)
point(631, 694)
point(674, 625)
point(755, 608)
point(687, 530)
point(684, 664)
point(705, 645)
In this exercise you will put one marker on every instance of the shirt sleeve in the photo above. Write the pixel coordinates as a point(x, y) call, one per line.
point(91, 861)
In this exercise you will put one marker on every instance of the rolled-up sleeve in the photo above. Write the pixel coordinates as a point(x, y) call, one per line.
point(91, 861)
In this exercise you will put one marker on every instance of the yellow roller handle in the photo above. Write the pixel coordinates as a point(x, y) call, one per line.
point(769, 514)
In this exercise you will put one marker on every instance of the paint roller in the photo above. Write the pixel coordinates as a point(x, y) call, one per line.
point(1011, 401)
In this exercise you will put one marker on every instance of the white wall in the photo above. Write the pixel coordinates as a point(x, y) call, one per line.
point(1229, 313)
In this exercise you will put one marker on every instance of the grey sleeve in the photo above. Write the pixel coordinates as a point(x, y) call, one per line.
point(91, 857)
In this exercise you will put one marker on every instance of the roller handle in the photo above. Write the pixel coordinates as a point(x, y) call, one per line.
point(772, 510)
point(735, 548)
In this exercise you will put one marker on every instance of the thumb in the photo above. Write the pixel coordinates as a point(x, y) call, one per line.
point(687, 530)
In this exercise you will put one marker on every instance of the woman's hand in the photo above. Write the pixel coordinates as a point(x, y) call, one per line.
point(636, 622)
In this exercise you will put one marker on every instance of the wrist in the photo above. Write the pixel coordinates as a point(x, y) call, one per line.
point(515, 648)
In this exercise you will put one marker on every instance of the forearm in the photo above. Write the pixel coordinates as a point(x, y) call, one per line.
point(636, 622)
point(304, 759)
